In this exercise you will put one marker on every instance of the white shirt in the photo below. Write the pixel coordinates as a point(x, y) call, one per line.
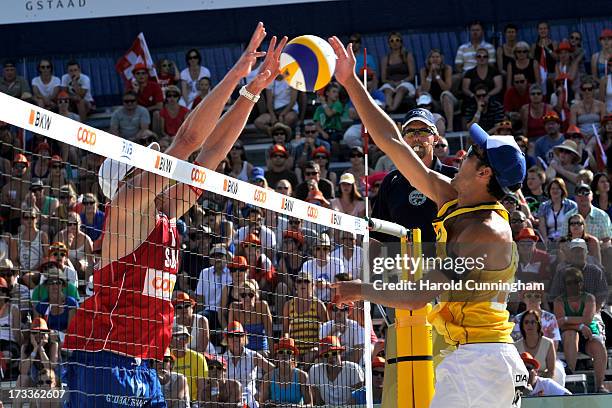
point(352, 336)
point(210, 285)
point(266, 236)
point(193, 85)
point(281, 94)
point(353, 265)
point(84, 83)
point(46, 90)
point(323, 273)
point(245, 372)
point(548, 386)
point(337, 392)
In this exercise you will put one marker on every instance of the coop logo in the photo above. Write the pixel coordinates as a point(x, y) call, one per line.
point(86, 136)
point(230, 186)
point(164, 164)
point(336, 219)
point(198, 175)
point(312, 212)
point(287, 204)
point(159, 284)
point(260, 196)
point(39, 119)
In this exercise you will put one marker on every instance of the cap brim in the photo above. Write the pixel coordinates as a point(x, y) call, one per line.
point(419, 119)
point(478, 135)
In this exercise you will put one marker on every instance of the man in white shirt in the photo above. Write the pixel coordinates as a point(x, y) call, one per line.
point(350, 333)
point(211, 282)
point(466, 54)
point(350, 253)
point(266, 235)
point(333, 380)
point(542, 387)
point(78, 86)
point(323, 267)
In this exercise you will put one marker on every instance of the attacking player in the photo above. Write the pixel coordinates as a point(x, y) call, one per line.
point(486, 369)
point(129, 318)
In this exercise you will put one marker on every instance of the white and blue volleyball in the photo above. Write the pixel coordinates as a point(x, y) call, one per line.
point(308, 63)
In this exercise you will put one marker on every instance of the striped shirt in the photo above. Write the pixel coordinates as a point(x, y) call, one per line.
point(466, 54)
point(597, 223)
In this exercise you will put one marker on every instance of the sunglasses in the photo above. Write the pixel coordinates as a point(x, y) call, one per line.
point(377, 185)
point(89, 202)
point(573, 223)
point(335, 308)
point(574, 136)
point(193, 57)
point(279, 133)
point(529, 367)
point(310, 132)
point(57, 166)
point(574, 37)
point(311, 173)
point(55, 282)
point(20, 166)
point(301, 281)
point(295, 222)
point(245, 295)
point(140, 73)
point(44, 66)
point(583, 193)
point(516, 221)
point(63, 100)
point(184, 305)
point(44, 382)
point(282, 188)
point(331, 354)
point(28, 217)
point(482, 56)
point(536, 93)
point(393, 40)
point(129, 101)
point(320, 248)
point(520, 81)
point(7, 274)
point(481, 96)
point(587, 89)
point(215, 367)
point(320, 156)
point(165, 65)
point(72, 223)
point(521, 52)
point(378, 373)
point(276, 156)
point(59, 254)
point(235, 335)
point(533, 296)
point(417, 133)
point(172, 95)
point(441, 146)
point(285, 352)
point(356, 155)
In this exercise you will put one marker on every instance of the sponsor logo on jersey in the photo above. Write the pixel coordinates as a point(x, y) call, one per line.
point(39, 119)
point(416, 198)
point(159, 284)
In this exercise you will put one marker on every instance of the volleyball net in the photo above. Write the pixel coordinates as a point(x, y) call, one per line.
point(230, 302)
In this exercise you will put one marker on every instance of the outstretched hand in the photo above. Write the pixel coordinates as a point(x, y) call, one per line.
point(347, 291)
point(345, 63)
point(245, 63)
point(269, 69)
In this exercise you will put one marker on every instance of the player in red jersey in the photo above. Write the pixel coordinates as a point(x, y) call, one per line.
point(129, 318)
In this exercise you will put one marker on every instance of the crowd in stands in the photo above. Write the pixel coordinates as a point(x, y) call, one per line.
point(254, 314)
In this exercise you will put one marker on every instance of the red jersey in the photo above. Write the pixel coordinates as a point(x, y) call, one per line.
point(172, 124)
point(131, 312)
point(150, 95)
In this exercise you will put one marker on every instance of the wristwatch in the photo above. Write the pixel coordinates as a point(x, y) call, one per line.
point(251, 97)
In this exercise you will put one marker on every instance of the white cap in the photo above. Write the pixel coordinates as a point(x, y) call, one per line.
point(578, 243)
point(111, 172)
point(348, 178)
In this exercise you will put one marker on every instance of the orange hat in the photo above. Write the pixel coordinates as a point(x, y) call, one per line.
point(528, 359)
point(378, 362)
point(277, 148)
point(235, 328)
point(294, 235)
point(238, 262)
point(330, 343)
point(316, 196)
point(183, 297)
point(20, 158)
point(139, 67)
point(42, 146)
point(527, 233)
point(63, 95)
point(251, 239)
point(564, 46)
point(320, 150)
point(57, 246)
point(56, 158)
point(39, 324)
point(573, 130)
point(286, 343)
point(562, 77)
point(3, 283)
point(606, 33)
point(552, 115)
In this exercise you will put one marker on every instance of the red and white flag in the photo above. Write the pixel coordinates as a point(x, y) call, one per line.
point(138, 53)
point(600, 152)
point(543, 69)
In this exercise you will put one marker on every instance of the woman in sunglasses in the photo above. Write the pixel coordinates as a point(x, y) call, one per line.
point(167, 73)
point(45, 86)
point(92, 219)
point(521, 63)
point(31, 240)
point(218, 390)
point(196, 324)
point(10, 325)
point(576, 229)
point(286, 384)
point(397, 72)
point(172, 114)
point(255, 316)
point(241, 168)
point(48, 381)
point(191, 75)
point(587, 113)
point(534, 342)
point(59, 309)
point(575, 311)
point(80, 246)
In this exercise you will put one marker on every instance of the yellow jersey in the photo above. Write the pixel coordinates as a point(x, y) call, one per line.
point(193, 366)
point(462, 322)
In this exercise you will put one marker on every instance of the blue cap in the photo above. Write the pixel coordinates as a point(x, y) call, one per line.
point(505, 157)
point(420, 115)
point(258, 173)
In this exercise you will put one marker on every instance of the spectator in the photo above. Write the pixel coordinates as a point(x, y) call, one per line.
point(241, 168)
point(261, 268)
point(544, 47)
point(244, 364)
point(437, 81)
point(174, 385)
point(505, 52)
point(466, 54)
point(348, 331)
point(78, 86)
point(357, 168)
point(196, 324)
point(535, 343)
point(289, 260)
point(586, 155)
point(597, 221)
point(516, 96)
point(522, 64)
point(239, 269)
point(8, 245)
point(510, 202)
point(323, 267)
point(588, 112)
point(32, 241)
point(19, 294)
point(42, 161)
point(303, 314)
point(13, 84)
point(46, 86)
point(328, 115)
point(80, 246)
point(218, 388)
point(204, 87)
point(532, 114)
point(48, 382)
point(397, 73)
point(255, 223)
point(277, 168)
point(576, 229)
point(10, 324)
point(534, 264)
point(92, 219)
point(553, 213)
point(565, 164)
point(172, 115)
point(533, 303)
point(575, 312)
point(213, 285)
point(39, 353)
point(600, 58)
point(15, 192)
point(355, 41)
point(350, 253)
point(312, 171)
point(254, 315)
point(602, 198)
point(518, 221)
point(131, 121)
point(281, 104)
point(58, 309)
point(605, 87)
point(56, 260)
point(565, 64)
point(322, 157)
point(349, 200)
point(221, 228)
point(167, 73)
point(544, 145)
point(333, 380)
point(189, 362)
point(281, 135)
point(578, 54)
point(378, 378)
point(526, 147)
point(284, 187)
point(441, 150)
point(149, 92)
point(195, 257)
point(312, 140)
point(536, 179)
point(483, 73)
point(487, 111)
point(540, 387)
point(286, 384)
point(191, 75)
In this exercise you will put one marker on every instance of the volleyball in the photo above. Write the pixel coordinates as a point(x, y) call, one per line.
point(308, 63)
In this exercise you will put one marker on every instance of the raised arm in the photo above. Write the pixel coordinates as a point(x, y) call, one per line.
point(385, 133)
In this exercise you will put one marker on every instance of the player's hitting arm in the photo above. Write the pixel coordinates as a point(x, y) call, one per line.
point(386, 134)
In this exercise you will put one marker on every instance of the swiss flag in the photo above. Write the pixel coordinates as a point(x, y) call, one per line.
point(138, 53)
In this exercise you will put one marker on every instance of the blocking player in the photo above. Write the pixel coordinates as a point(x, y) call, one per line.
point(129, 318)
point(486, 369)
